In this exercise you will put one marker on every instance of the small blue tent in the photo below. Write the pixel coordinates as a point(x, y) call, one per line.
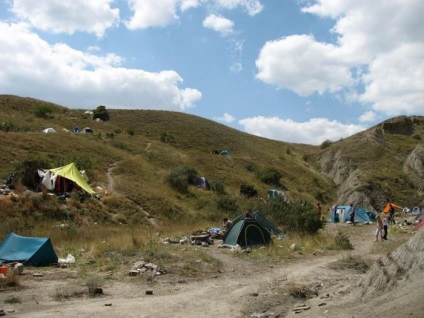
point(341, 213)
point(36, 251)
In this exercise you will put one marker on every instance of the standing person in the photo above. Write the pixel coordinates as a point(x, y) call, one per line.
point(318, 208)
point(385, 226)
point(392, 214)
point(352, 214)
point(378, 230)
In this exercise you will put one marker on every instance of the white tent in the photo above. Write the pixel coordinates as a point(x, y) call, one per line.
point(49, 131)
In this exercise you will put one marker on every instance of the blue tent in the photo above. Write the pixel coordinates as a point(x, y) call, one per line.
point(36, 251)
point(341, 213)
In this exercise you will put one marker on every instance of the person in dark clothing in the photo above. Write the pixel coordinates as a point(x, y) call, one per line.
point(392, 214)
point(352, 214)
point(385, 226)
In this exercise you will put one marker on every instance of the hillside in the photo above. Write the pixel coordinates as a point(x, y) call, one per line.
point(129, 164)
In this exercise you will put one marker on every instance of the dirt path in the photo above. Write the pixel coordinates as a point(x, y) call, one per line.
point(243, 288)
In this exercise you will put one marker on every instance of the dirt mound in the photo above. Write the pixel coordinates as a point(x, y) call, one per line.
point(396, 268)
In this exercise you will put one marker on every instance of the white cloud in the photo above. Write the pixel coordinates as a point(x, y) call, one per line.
point(312, 132)
point(368, 116)
point(252, 7)
point(227, 118)
point(219, 24)
point(188, 4)
point(29, 66)
point(303, 65)
point(151, 13)
point(68, 16)
point(379, 44)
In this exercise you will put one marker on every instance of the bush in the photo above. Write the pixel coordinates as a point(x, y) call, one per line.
point(298, 216)
point(342, 242)
point(181, 178)
point(248, 190)
point(326, 143)
point(10, 126)
point(101, 113)
point(130, 131)
point(82, 161)
point(27, 170)
point(167, 138)
point(226, 204)
point(42, 111)
point(218, 187)
point(270, 176)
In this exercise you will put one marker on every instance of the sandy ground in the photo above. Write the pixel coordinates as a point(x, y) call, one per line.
point(242, 288)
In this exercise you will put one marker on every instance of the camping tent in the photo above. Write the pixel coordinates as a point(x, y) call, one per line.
point(37, 251)
point(87, 130)
point(341, 213)
point(69, 172)
point(202, 182)
point(387, 207)
point(247, 231)
point(274, 193)
point(49, 131)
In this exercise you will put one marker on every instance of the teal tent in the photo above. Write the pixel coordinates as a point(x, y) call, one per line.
point(341, 213)
point(36, 251)
point(247, 231)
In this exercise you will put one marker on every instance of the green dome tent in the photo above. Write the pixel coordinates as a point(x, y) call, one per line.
point(246, 232)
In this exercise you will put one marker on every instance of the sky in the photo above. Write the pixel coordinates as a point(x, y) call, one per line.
point(298, 71)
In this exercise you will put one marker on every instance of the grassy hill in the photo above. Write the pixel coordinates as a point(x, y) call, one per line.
point(132, 155)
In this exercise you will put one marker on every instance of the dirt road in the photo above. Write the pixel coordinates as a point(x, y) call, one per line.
point(243, 288)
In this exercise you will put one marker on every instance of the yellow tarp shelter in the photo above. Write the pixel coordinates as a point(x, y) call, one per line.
point(72, 173)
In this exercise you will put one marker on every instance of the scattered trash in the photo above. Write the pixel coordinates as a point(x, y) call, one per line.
point(70, 259)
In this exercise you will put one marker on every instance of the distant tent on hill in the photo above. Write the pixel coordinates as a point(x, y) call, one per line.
point(274, 193)
point(87, 130)
point(247, 231)
point(225, 152)
point(203, 183)
point(341, 213)
point(49, 131)
point(36, 251)
point(52, 178)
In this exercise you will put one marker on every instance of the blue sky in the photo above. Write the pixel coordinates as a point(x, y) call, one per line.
point(291, 70)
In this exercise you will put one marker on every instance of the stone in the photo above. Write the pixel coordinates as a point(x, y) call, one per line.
point(2, 313)
point(133, 273)
point(37, 275)
point(293, 247)
point(149, 292)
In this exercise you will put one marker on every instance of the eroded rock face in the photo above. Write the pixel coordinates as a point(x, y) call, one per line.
point(414, 165)
point(335, 166)
point(404, 264)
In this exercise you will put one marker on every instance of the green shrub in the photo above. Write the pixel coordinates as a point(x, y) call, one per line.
point(326, 143)
point(27, 170)
point(101, 113)
point(130, 131)
point(248, 190)
point(81, 160)
point(298, 216)
point(10, 126)
point(181, 178)
point(226, 204)
point(42, 111)
point(218, 187)
point(167, 138)
point(270, 176)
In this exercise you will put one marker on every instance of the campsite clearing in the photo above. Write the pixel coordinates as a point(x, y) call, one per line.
point(242, 286)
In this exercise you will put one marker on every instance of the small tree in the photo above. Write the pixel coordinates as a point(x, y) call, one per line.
point(248, 190)
point(270, 176)
point(101, 113)
point(42, 111)
point(181, 178)
point(27, 170)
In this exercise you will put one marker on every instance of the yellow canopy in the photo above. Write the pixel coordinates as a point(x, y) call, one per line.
point(71, 172)
point(387, 207)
